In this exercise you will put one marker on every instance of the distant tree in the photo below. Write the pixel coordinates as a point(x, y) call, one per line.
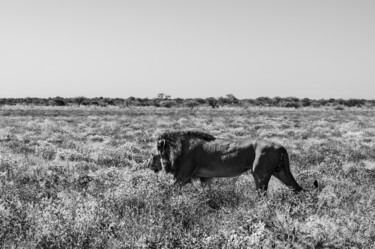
point(109, 101)
point(276, 101)
point(161, 96)
point(79, 100)
point(244, 103)
point(200, 101)
point(213, 102)
point(291, 99)
point(263, 101)
point(315, 104)
point(305, 102)
point(249, 102)
point(147, 102)
point(94, 102)
point(323, 102)
point(40, 101)
point(57, 102)
point(137, 102)
point(340, 101)
point(142, 102)
point(290, 104)
point(127, 102)
point(354, 102)
point(179, 101)
point(154, 102)
point(119, 101)
point(28, 101)
point(167, 103)
point(191, 104)
point(102, 103)
point(86, 102)
point(232, 99)
point(224, 101)
point(370, 103)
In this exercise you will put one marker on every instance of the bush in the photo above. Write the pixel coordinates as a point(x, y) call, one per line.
point(57, 102)
point(214, 103)
point(167, 103)
point(191, 104)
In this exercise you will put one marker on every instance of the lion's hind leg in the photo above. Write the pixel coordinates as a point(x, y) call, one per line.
point(261, 181)
point(262, 172)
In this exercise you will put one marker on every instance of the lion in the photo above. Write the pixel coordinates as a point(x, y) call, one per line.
point(188, 155)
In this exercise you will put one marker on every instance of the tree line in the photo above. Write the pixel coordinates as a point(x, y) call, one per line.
point(163, 100)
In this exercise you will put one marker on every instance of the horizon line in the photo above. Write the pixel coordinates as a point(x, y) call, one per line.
point(102, 97)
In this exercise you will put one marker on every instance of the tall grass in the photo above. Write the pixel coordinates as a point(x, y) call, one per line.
point(76, 178)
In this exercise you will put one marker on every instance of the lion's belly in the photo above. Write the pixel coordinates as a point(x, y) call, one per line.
point(221, 170)
point(224, 160)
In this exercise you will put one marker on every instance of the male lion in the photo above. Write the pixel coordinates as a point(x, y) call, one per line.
point(192, 154)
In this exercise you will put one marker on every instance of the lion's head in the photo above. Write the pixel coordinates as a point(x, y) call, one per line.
point(157, 163)
point(170, 146)
point(154, 163)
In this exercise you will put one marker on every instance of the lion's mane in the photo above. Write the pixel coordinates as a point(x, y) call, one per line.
point(175, 142)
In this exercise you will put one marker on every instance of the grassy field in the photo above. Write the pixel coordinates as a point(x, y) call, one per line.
point(76, 178)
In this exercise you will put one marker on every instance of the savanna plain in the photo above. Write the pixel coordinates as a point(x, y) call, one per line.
point(77, 177)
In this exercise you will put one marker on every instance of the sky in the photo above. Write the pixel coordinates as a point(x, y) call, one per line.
point(187, 48)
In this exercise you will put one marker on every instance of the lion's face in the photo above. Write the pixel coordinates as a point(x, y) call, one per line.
point(161, 147)
point(164, 155)
point(154, 163)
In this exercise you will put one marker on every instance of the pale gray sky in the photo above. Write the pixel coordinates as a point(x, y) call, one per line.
point(191, 48)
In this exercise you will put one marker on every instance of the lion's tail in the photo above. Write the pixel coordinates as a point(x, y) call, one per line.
point(283, 171)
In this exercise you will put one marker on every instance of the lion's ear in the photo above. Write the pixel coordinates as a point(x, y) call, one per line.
point(161, 145)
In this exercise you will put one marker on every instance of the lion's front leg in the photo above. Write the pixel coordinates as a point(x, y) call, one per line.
point(185, 173)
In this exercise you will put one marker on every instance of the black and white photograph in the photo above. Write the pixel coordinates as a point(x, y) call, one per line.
point(202, 124)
